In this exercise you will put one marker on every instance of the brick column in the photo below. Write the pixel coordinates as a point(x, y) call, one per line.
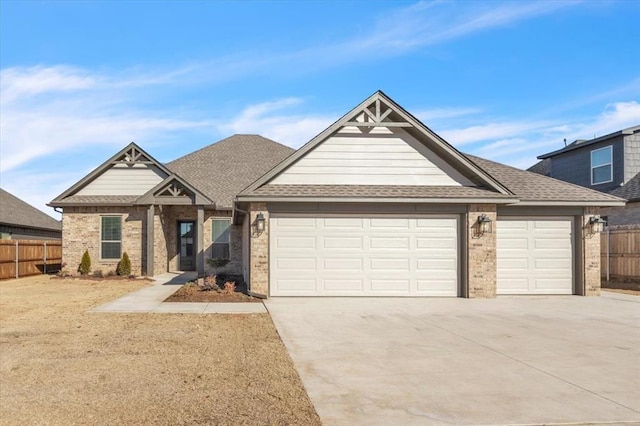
point(259, 252)
point(591, 255)
point(481, 253)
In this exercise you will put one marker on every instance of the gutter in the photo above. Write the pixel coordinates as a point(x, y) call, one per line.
point(272, 199)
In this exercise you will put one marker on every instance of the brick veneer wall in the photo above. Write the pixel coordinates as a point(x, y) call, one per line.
point(591, 255)
point(259, 267)
point(481, 249)
point(81, 231)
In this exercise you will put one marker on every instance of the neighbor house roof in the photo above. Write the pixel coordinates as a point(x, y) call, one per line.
point(14, 211)
point(630, 190)
point(542, 167)
point(582, 143)
point(223, 169)
point(533, 188)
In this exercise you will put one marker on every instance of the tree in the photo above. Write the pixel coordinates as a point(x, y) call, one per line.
point(85, 264)
point(217, 262)
point(124, 266)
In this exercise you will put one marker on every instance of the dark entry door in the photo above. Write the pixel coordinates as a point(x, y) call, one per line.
point(186, 246)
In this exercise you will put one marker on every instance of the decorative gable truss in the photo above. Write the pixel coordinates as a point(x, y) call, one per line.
point(174, 191)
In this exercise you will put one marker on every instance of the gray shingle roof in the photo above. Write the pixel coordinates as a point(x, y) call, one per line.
point(375, 191)
point(223, 169)
point(542, 167)
point(630, 190)
point(98, 200)
point(528, 186)
point(14, 211)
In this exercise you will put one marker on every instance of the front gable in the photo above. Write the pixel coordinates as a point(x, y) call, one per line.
point(378, 143)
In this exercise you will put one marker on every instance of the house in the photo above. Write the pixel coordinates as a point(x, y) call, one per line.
point(609, 163)
point(375, 205)
point(21, 221)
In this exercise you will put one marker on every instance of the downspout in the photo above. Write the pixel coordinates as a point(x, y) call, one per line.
point(608, 252)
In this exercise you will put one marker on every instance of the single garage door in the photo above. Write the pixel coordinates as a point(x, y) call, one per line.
point(535, 256)
point(363, 256)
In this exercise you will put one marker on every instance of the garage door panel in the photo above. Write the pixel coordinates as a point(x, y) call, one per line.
point(389, 242)
point(342, 264)
point(534, 256)
point(297, 285)
point(343, 285)
point(296, 264)
point(342, 242)
point(391, 285)
point(378, 256)
point(342, 223)
point(296, 242)
point(389, 264)
point(436, 243)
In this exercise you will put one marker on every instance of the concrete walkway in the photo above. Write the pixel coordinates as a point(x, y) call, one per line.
point(151, 300)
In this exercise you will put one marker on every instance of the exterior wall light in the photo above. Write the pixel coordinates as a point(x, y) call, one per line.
point(485, 224)
point(260, 222)
point(596, 224)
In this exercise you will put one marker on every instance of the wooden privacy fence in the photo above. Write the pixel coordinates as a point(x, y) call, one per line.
point(620, 252)
point(21, 258)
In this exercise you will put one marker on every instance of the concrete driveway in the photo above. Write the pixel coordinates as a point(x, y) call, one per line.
point(514, 360)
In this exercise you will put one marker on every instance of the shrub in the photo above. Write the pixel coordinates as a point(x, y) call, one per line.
point(98, 274)
point(85, 264)
point(229, 287)
point(124, 266)
point(217, 262)
point(210, 284)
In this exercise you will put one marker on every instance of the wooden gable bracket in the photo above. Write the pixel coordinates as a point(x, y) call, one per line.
point(132, 155)
point(174, 191)
point(374, 117)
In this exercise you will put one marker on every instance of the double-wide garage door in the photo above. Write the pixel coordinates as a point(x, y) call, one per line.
point(363, 256)
point(535, 256)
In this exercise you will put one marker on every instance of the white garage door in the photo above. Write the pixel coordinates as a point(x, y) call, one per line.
point(357, 256)
point(535, 256)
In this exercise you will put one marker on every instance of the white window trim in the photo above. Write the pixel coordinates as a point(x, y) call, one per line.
point(213, 241)
point(610, 163)
point(102, 259)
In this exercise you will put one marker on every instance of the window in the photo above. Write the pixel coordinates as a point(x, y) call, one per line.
point(601, 165)
point(221, 231)
point(111, 237)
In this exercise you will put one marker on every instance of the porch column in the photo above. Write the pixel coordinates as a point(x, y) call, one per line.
point(200, 241)
point(150, 238)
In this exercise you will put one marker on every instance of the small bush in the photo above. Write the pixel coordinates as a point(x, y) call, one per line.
point(85, 264)
point(111, 273)
point(98, 274)
point(124, 266)
point(210, 284)
point(229, 287)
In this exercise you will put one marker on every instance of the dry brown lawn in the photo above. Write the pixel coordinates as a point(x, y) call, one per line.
point(60, 364)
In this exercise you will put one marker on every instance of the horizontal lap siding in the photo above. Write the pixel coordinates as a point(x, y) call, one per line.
point(378, 159)
point(124, 180)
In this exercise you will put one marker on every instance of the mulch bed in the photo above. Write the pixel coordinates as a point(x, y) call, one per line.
point(193, 292)
point(101, 278)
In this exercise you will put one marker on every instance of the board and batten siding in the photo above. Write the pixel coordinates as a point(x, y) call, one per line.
point(381, 157)
point(124, 180)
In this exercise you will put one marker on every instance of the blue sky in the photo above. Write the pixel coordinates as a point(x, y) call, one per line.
point(504, 80)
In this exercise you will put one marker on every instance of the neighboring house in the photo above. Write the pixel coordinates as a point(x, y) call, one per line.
point(375, 205)
point(607, 163)
point(22, 221)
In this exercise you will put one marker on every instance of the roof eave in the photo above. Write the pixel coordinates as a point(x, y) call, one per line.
point(315, 199)
point(559, 203)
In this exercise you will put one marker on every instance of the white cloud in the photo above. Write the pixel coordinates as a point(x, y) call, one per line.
point(56, 109)
point(271, 119)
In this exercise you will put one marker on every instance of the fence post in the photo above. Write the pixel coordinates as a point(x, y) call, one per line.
point(45, 257)
point(17, 264)
point(608, 252)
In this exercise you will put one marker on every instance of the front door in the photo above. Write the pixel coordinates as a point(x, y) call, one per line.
point(186, 246)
